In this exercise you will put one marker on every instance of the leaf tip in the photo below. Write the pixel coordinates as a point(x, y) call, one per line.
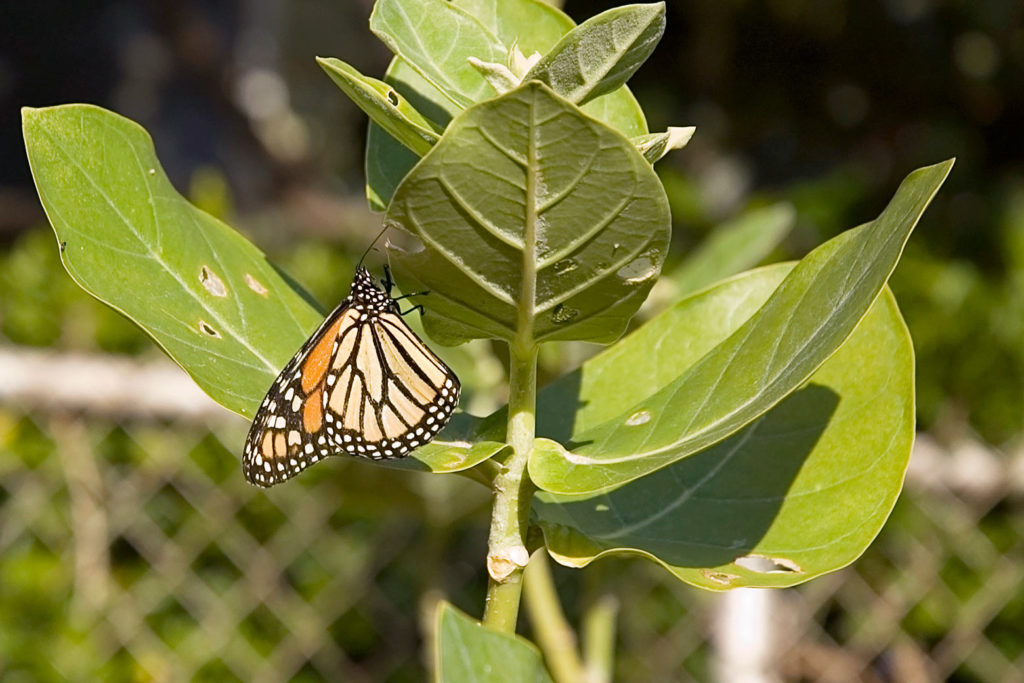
point(28, 115)
point(655, 9)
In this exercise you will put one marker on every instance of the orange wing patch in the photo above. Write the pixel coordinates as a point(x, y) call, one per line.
point(312, 413)
point(315, 367)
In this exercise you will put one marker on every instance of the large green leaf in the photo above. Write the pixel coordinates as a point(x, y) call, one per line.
point(534, 27)
point(207, 296)
point(803, 323)
point(602, 53)
point(202, 291)
point(538, 223)
point(437, 38)
point(466, 650)
point(799, 492)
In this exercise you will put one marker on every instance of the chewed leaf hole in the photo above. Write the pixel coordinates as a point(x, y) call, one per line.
point(566, 265)
point(563, 314)
point(718, 577)
point(393, 98)
point(206, 329)
point(255, 285)
point(211, 283)
point(638, 418)
point(639, 270)
point(768, 565)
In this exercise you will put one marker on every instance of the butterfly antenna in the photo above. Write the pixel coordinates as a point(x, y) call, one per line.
point(369, 248)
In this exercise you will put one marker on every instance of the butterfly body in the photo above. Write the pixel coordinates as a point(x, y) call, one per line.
point(363, 384)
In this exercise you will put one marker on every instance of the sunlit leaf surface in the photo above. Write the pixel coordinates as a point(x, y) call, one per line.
point(800, 491)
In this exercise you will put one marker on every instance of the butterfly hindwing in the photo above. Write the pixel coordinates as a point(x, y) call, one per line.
point(363, 384)
point(283, 438)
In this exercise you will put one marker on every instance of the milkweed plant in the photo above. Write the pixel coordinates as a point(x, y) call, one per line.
point(755, 432)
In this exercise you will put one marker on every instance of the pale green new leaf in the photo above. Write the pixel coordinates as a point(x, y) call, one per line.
point(384, 105)
point(537, 221)
point(602, 53)
point(810, 315)
point(533, 26)
point(466, 650)
point(536, 26)
point(800, 491)
point(437, 38)
point(654, 146)
point(205, 294)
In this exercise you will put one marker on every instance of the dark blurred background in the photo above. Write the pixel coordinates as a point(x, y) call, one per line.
point(826, 104)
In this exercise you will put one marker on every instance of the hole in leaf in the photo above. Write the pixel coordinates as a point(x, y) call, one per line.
point(255, 285)
point(563, 314)
point(206, 329)
point(566, 265)
point(638, 270)
point(211, 283)
point(393, 98)
point(718, 577)
point(638, 418)
point(768, 565)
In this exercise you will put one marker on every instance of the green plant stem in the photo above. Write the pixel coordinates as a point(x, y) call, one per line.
point(599, 640)
point(554, 635)
point(507, 554)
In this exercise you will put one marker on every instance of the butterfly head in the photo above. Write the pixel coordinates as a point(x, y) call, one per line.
point(368, 293)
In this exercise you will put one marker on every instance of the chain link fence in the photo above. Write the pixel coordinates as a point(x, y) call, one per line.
point(132, 549)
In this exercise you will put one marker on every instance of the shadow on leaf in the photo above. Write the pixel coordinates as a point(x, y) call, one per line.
point(705, 510)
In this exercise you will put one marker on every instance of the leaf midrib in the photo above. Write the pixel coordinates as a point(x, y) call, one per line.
point(528, 286)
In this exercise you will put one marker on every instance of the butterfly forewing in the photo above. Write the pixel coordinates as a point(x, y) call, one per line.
point(363, 384)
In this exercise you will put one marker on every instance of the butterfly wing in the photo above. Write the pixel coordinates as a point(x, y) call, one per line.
point(286, 435)
point(387, 393)
point(363, 384)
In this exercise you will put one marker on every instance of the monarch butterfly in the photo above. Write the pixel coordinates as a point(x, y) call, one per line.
point(362, 384)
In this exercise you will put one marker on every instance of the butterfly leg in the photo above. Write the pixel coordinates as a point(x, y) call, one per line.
point(406, 296)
